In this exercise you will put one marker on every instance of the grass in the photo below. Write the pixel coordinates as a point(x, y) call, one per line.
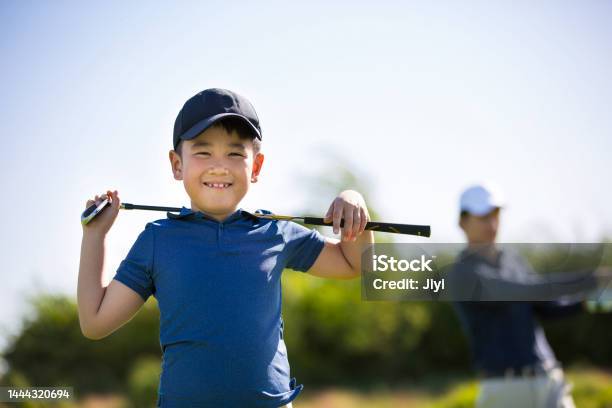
point(592, 389)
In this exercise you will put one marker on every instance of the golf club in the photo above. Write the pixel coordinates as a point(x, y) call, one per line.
point(407, 229)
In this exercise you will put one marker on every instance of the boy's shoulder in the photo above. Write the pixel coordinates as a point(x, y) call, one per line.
point(178, 219)
point(252, 220)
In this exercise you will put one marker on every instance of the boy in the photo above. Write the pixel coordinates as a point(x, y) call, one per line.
point(215, 268)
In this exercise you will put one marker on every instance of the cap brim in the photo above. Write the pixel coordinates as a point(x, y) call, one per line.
point(208, 122)
point(479, 212)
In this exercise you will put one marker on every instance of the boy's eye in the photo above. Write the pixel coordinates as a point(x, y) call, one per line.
point(237, 154)
point(206, 153)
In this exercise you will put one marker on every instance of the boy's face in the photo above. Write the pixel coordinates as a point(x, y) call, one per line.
point(217, 168)
point(481, 229)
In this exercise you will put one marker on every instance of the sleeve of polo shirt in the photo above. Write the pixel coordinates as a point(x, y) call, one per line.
point(526, 285)
point(303, 246)
point(135, 271)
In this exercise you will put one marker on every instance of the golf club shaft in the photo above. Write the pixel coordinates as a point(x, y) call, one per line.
point(407, 229)
point(128, 206)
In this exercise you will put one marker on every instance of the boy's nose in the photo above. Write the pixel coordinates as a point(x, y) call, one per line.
point(217, 169)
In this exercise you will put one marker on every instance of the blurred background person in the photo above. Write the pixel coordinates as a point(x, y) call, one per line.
point(510, 352)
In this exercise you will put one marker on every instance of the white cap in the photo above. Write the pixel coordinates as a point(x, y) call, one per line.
point(481, 199)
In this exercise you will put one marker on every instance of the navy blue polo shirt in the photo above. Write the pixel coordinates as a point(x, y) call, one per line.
point(218, 287)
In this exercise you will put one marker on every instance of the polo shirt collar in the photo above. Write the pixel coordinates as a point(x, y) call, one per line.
point(189, 214)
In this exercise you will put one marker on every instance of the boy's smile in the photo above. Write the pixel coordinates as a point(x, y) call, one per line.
point(217, 168)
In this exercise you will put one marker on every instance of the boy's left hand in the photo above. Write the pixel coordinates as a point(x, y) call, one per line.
point(350, 206)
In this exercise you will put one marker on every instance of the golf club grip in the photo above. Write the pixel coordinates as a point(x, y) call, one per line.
point(420, 230)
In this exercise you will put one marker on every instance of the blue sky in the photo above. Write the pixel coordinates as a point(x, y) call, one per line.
point(419, 99)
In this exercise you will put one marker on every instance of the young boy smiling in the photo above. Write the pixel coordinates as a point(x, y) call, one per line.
point(214, 268)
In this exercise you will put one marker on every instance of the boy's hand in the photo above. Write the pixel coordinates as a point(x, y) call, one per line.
point(102, 222)
point(350, 206)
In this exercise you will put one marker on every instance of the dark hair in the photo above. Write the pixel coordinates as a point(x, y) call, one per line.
point(463, 214)
point(230, 125)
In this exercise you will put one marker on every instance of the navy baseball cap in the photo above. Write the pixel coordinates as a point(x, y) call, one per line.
point(201, 111)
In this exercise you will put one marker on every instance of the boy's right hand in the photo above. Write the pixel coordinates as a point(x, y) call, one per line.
point(102, 222)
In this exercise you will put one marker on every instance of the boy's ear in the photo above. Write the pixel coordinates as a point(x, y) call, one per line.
point(257, 163)
point(177, 165)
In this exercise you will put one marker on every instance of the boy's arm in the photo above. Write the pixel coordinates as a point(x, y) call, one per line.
point(102, 310)
point(341, 259)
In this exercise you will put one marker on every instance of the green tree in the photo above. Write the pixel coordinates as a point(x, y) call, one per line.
point(50, 349)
